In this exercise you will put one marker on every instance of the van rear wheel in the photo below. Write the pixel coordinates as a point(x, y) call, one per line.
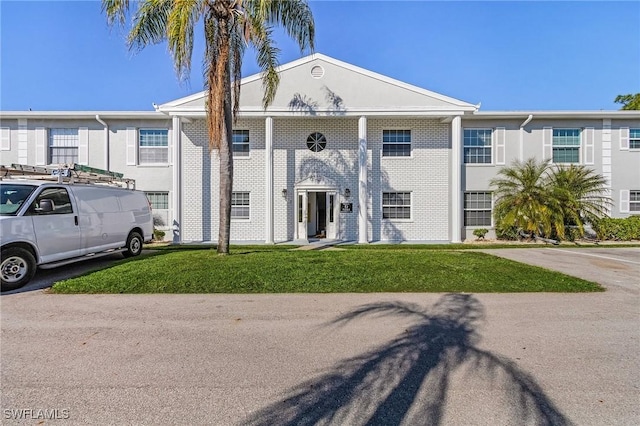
point(17, 268)
point(134, 245)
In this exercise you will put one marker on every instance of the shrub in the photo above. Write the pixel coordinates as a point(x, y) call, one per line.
point(618, 229)
point(480, 233)
point(158, 235)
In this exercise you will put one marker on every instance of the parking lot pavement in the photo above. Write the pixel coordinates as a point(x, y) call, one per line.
point(618, 269)
point(452, 359)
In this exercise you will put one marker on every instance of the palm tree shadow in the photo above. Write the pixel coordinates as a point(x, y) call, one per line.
point(406, 380)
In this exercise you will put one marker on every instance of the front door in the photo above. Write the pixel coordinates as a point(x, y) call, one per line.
point(316, 214)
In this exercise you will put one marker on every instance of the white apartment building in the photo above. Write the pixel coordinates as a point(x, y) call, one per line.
point(342, 153)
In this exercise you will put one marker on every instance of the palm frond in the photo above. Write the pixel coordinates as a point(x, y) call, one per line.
point(149, 24)
point(116, 11)
point(180, 27)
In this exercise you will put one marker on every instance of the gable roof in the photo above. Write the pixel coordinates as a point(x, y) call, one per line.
point(318, 85)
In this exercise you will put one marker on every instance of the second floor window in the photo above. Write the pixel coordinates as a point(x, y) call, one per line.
point(634, 138)
point(63, 146)
point(477, 146)
point(240, 143)
point(153, 146)
point(396, 143)
point(566, 145)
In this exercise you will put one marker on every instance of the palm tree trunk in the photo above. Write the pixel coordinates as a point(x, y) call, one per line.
point(225, 152)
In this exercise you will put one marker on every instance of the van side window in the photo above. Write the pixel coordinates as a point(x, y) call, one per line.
point(51, 201)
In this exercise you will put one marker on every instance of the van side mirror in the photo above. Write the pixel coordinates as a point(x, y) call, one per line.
point(46, 206)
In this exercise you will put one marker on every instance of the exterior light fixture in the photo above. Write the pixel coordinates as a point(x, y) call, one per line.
point(284, 193)
point(347, 193)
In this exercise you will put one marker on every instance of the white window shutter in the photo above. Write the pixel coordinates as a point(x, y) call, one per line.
point(132, 146)
point(83, 145)
point(41, 146)
point(589, 151)
point(624, 138)
point(547, 143)
point(5, 139)
point(500, 153)
point(169, 145)
point(624, 201)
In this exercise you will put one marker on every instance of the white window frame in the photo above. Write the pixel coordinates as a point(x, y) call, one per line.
point(410, 143)
point(634, 205)
point(162, 212)
point(490, 146)
point(66, 136)
point(579, 147)
point(241, 155)
point(467, 209)
point(139, 146)
point(243, 218)
point(635, 139)
point(401, 219)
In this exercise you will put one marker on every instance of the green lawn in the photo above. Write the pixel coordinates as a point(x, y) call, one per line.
point(270, 269)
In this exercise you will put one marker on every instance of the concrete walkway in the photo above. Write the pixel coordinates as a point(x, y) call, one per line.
point(339, 359)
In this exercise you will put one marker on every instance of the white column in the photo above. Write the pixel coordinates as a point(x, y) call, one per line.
point(363, 197)
point(456, 180)
point(268, 193)
point(176, 226)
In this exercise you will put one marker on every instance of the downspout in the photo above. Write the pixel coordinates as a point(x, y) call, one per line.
point(529, 118)
point(106, 141)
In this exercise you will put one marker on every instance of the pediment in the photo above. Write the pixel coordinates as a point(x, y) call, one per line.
point(318, 85)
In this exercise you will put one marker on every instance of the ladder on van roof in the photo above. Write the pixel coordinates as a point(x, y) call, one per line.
point(69, 173)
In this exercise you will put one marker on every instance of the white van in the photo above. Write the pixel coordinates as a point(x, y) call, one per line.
point(49, 224)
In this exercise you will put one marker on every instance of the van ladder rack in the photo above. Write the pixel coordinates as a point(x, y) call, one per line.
point(73, 173)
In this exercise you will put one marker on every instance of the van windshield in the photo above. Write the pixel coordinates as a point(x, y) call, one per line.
point(12, 197)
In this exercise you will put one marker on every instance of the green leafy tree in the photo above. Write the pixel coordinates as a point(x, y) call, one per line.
point(546, 200)
point(629, 102)
point(229, 27)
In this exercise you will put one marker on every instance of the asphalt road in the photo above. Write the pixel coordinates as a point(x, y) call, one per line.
point(335, 359)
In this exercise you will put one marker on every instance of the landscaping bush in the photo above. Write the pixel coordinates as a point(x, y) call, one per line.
point(480, 233)
point(158, 235)
point(618, 229)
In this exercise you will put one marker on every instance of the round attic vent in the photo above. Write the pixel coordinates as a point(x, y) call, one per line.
point(317, 71)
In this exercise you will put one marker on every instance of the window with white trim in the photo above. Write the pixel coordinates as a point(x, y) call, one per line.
point(63, 146)
point(396, 205)
point(160, 206)
point(396, 143)
point(477, 146)
point(634, 138)
point(240, 205)
point(634, 201)
point(240, 143)
point(477, 208)
point(566, 145)
point(153, 146)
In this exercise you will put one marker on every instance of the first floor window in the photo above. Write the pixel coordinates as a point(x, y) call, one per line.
point(566, 145)
point(396, 143)
point(160, 206)
point(396, 205)
point(153, 146)
point(63, 146)
point(240, 205)
point(240, 143)
point(477, 209)
point(634, 138)
point(634, 201)
point(477, 146)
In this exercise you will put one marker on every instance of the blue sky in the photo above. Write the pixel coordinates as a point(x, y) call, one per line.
point(60, 55)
